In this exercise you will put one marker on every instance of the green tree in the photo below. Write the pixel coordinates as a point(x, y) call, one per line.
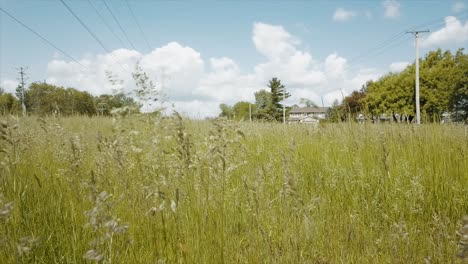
point(105, 103)
point(226, 111)
point(336, 113)
point(9, 104)
point(46, 99)
point(458, 101)
point(307, 102)
point(262, 104)
point(278, 94)
point(353, 104)
point(241, 110)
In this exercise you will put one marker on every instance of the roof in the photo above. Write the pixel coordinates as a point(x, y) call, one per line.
point(309, 110)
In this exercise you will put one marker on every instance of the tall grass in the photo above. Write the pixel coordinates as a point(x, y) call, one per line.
point(152, 190)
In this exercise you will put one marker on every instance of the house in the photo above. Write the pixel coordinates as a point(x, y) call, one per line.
point(308, 114)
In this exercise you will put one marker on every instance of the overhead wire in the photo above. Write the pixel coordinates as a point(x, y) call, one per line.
point(95, 37)
point(138, 24)
point(105, 23)
point(388, 44)
point(42, 37)
point(118, 23)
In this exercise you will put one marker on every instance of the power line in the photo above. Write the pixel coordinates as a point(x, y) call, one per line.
point(85, 26)
point(381, 46)
point(120, 26)
point(436, 21)
point(138, 24)
point(91, 33)
point(41, 37)
point(105, 23)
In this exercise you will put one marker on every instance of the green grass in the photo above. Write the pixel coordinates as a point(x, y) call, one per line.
point(203, 192)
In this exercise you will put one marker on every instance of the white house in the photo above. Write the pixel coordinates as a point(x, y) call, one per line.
point(308, 114)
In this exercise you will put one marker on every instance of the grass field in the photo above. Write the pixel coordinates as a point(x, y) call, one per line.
point(149, 190)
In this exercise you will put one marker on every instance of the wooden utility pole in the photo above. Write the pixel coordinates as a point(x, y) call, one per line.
point(284, 107)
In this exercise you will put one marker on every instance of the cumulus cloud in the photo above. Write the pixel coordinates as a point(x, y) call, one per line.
point(274, 42)
point(398, 66)
point(342, 14)
point(458, 7)
point(93, 76)
point(335, 65)
point(454, 31)
point(197, 85)
point(9, 85)
point(391, 8)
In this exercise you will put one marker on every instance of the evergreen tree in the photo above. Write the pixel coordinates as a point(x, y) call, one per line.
point(278, 94)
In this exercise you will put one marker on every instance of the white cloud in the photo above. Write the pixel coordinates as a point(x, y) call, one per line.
point(335, 65)
point(392, 8)
point(453, 32)
point(398, 66)
point(274, 42)
point(197, 86)
point(9, 85)
point(458, 7)
point(342, 14)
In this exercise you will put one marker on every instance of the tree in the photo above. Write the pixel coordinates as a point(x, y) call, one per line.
point(46, 99)
point(19, 93)
point(105, 103)
point(458, 101)
point(278, 94)
point(336, 112)
point(9, 104)
point(307, 102)
point(241, 110)
point(226, 111)
point(353, 104)
point(262, 104)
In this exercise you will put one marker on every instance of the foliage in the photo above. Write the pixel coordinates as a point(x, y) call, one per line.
point(105, 103)
point(307, 102)
point(278, 94)
point(263, 102)
point(239, 111)
point(180, 191)
point(146, 91)
point(443, 89)
point(226, 111)
point(458, 100)
point(43, 99)
point(9, 104)
point(336, 112)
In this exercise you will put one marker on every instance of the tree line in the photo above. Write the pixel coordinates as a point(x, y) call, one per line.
point(267, 107)
point(443, 78)
point(42, 98)
point(443, 92)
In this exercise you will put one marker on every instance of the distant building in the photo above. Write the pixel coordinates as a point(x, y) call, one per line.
point(308, 114)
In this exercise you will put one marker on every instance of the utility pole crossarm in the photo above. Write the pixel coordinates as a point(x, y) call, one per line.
point(416, 37)
point(417, 31)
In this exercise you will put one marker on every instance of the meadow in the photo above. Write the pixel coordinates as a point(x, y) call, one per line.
point(169, 190)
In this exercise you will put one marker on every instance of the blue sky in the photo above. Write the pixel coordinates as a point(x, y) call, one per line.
point(215, 52)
